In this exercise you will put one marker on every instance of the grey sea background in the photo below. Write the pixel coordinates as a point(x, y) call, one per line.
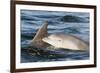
point(75, 23)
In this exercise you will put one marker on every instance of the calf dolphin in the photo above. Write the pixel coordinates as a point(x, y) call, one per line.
point(43, 40)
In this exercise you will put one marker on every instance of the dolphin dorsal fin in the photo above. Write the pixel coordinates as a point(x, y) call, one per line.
point(41, 33)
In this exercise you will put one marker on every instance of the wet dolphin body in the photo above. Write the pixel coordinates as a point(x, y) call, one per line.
point(66, 42)
point(43, 40)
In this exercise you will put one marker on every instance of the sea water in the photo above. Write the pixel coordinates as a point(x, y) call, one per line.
point(75, 23)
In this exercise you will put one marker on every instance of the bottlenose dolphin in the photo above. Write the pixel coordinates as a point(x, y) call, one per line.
point(43, 40)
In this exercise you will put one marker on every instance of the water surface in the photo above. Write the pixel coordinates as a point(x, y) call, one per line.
point(75, 23)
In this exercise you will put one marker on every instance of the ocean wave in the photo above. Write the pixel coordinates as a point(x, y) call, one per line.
point(71, 18)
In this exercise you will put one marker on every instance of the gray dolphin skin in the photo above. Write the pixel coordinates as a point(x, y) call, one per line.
point(37, 40)
point(66, 41)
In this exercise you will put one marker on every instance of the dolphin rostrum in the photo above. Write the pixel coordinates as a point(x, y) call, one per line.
point(43, 40)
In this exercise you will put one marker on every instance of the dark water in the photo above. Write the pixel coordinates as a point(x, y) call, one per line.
point(75, 23)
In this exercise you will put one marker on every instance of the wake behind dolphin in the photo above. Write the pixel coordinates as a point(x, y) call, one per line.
point(43, 40)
